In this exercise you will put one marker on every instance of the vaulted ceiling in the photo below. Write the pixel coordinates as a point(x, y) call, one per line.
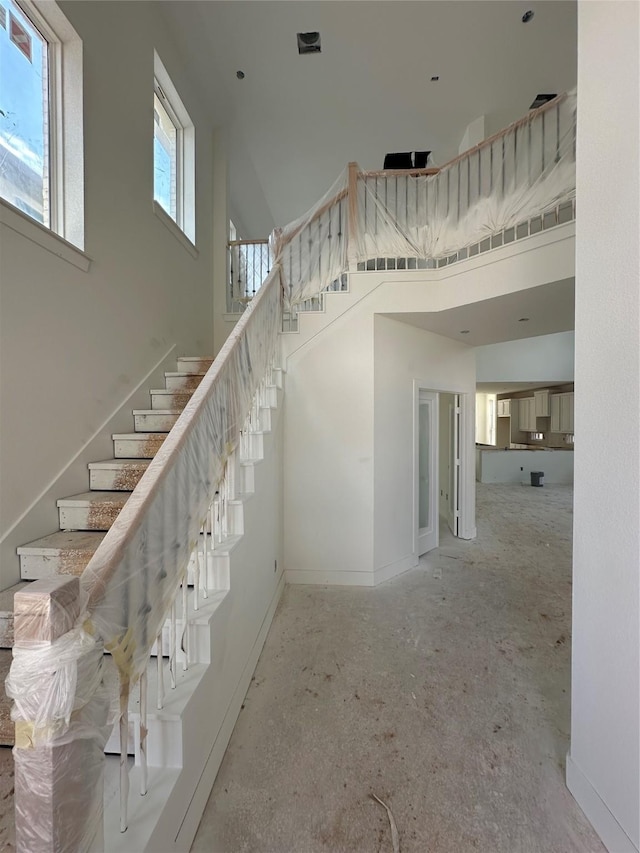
point(295, 121)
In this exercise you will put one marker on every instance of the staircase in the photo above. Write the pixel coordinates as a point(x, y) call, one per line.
point(85, 518)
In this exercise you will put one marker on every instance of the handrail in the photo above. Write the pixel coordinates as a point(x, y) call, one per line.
point(261, 241)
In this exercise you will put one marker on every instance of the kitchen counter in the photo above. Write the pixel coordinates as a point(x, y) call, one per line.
point(497, 465)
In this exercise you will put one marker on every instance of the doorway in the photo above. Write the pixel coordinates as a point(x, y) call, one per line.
point(437, 466)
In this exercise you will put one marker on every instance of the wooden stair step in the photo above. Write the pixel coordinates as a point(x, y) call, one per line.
point(194, 364)
point(91, 510)
point(60, 553)
point(155, 420)
point(182, 381)
point(162, 398)
point(116, 475)
point(7, 734)
point(6, 615)
point(137, 445)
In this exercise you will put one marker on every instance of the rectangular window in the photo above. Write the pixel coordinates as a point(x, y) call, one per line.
point(41, 129)
point(24, 114)
point(173, 153)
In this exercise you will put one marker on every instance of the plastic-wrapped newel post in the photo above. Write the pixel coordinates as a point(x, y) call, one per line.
point(60, 713)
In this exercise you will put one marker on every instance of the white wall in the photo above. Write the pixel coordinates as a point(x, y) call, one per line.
point(603, 767)
point(547, 358)
point(402, 355)
point(75, 344)
point(328, 465)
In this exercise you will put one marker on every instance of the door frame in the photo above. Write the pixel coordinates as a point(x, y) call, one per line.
point(434, 474)
point(466, 498)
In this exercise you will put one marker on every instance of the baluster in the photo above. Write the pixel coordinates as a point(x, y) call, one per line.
point(529, 153)
point(196, 570)
point(173, 644)
point(468, 183)
point(544, 115)
point(205, 557)
point(558, 133)
point(185, 619)
point(515, 157)
point(479, 176)
point(143, 734)
point(230, 305)
point(159, 672)
point(124, 766)
point(503, 165)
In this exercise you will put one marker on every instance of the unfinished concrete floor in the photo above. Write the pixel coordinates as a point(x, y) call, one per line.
point(444, 692)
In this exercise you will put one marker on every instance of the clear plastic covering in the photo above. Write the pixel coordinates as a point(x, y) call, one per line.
point(522, 172)
point(134, 575)
point(312, 250)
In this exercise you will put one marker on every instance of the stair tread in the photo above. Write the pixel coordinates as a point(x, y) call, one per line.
point(94, 497)
point(180, 374)
point(157, 411)
point(64, 540)
point(118, 464)
point(136, 436)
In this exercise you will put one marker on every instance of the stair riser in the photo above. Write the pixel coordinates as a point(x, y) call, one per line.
point(33, 566)
point(98, 517)
point(114, 480)
point(129, 448)
point(154, 423)
point(200, 365)
point(173, 400)
point(182, 383)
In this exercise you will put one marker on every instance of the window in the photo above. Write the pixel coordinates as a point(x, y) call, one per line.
point(173, 154)
point(41, 117)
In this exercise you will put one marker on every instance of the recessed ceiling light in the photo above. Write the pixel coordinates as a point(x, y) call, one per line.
point(435, 78)
point(240, 75)
point(464, 331)
point(528, 15)
point(309, 43)
point(523, 320)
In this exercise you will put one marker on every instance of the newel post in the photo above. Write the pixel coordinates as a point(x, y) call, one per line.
point(60, 714)
point(352, 195)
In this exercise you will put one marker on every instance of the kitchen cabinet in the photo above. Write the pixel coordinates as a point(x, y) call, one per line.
point(504, 408)
point(527, 414)
point(561, 408)
point(542, 403)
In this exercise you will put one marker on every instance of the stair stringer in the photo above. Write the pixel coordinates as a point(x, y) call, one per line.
point(531, 262)
point(210, 694)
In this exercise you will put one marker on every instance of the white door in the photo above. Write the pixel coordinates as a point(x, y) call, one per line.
point(426, 480)
point(453, 514)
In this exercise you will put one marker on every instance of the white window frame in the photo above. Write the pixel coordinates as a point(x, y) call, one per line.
point(65, 234)
point(184, 224)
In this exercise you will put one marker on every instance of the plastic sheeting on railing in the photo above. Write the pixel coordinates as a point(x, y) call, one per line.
point(312, 250)
point(133, 577)
point(520, 173)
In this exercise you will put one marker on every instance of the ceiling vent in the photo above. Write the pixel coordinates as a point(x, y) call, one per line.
point(406, 160)
point(540, 100)
point(309, 43)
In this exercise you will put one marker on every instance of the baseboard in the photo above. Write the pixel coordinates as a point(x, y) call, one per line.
point(386, 573)
point(318, 577)
point(189, 826)
point(613, 836)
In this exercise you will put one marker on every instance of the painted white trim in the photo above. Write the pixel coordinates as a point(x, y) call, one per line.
point(103, 428)
point(398, 567)
point(47, 239)
point(175, 229)
point(613, 836)
point(329, 577)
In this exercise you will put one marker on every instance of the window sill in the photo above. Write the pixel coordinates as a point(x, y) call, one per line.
point(177, 232)
point(18, 221)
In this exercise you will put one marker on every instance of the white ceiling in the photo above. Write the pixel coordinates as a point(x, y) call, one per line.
point(549, 308)
point(296, 121)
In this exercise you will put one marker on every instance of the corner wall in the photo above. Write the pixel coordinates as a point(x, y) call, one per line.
point(603, 768)
point(74, 344)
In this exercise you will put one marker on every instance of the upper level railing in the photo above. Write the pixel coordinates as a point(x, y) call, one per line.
point(250, 263)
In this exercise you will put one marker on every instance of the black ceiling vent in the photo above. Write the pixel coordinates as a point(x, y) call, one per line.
point(542, 99)
point(406, 160)
point(309, 43)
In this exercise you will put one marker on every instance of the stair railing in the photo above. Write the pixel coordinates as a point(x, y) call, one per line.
point(249, 265)
point(67, 693)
